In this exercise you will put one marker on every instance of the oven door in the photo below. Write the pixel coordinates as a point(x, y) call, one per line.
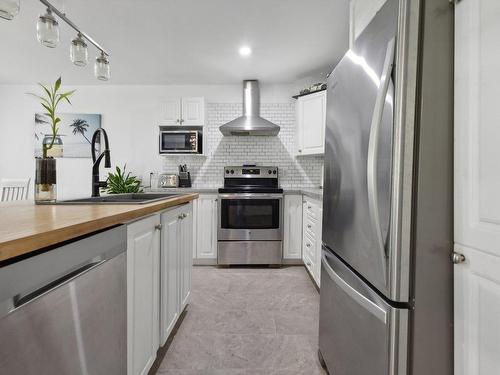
point(179, 141)
point(250, 217)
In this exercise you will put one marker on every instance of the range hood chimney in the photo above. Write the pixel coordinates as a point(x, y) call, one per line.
point(250, 123)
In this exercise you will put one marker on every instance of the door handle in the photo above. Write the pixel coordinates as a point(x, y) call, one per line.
point(158, 226)
point(371, 170)
point(372, 307)
point(457, 258)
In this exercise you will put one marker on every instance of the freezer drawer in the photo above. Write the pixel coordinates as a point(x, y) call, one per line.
point(360, 333)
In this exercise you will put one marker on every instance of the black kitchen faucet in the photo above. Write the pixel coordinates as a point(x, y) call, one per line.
point(96, 184)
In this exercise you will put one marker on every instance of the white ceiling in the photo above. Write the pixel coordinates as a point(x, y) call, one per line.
point(182, 41)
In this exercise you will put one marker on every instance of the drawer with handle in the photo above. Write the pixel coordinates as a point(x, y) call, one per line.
point(310, 247)
point(312, 209)
point(311, 227)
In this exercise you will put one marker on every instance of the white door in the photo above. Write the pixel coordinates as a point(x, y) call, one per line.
point(172, 112)
point(143, 248)
point(170, 264)
point(311, 117)
point(292, 239)
point(193, 111)
point(186, 251)
point(206, 227)
point(477, 187)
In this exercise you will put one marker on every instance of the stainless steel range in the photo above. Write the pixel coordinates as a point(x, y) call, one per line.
point(250, 216)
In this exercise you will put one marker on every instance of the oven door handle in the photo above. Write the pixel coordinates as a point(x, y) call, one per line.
point(250, 196)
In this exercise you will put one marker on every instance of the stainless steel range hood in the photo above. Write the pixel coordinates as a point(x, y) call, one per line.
point(250, 123)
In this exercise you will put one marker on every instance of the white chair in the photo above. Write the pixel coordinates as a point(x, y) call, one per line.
point(14, 189)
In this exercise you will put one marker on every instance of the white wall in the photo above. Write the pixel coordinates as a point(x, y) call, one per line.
point(362, 12)
point(130, 114)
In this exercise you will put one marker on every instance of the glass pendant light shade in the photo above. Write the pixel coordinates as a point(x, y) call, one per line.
point(47, 30)
point(101, 68)
point(9, 8)
point(78, 52)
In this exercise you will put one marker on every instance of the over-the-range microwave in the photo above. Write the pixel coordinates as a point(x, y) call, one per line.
point(181, 142)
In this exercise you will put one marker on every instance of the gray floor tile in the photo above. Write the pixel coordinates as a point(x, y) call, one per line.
point(244, 321)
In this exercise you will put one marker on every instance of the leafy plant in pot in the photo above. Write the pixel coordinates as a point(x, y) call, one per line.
point(45, 178)
point(121, 183)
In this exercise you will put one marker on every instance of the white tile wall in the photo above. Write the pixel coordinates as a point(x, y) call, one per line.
point(207, 170)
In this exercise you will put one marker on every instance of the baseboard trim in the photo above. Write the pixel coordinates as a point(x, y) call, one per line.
point(293, 262)
point(160, 353)
point(204, 262)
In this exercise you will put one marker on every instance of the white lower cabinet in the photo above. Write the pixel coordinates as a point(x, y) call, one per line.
point(205, 218)
point(143, 252)
point(186, 260)
point(292, 238)
point(159, 260)
point(170, 273)
point(312, 213)
point(175, 266)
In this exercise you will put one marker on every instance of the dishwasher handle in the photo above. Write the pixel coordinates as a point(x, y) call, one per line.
point(20, 300)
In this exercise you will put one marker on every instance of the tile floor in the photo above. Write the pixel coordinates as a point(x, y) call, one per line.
point(247, 321)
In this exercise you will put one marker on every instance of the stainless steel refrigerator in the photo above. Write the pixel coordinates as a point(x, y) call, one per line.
point(386, 277)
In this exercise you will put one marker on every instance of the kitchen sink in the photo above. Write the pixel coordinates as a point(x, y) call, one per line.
point(136, 198)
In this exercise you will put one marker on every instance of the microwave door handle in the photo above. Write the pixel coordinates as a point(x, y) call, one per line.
point(373, 142)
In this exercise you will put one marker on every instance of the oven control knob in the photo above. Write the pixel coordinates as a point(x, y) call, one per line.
point(232, 171)
point(227, 171)
point(269, 171)
point(274, 172)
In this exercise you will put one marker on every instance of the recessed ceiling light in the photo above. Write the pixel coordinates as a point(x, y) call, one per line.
point(245, 51)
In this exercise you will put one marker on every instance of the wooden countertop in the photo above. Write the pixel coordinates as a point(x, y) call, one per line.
point(26, 227)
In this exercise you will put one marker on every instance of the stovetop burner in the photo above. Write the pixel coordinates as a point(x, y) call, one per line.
point(251, 179)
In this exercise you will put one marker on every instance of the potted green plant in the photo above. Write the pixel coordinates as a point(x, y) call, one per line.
point(121, 183)
point(45, 178)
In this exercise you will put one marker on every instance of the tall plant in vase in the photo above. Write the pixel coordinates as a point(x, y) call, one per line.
point(45, 179)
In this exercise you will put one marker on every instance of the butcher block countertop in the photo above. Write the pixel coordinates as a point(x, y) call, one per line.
point(26, 227)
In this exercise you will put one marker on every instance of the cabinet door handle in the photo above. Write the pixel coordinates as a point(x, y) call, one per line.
point(309, 264)
point(300, 150)
point(308, 244)
point(309, 226)
point(184, 216)
point(158, 226)
point(309, 207)
point(177, 121)
point(180, 217)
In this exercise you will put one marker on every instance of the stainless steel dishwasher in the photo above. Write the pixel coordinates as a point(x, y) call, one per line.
point(64, 311)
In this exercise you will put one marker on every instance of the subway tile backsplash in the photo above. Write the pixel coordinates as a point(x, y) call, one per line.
point(207, 170)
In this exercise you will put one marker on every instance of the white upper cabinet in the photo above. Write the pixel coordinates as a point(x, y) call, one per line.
point(292, 241)
point(311, 121)
point(172, 112)
point(184, 111)
point(193, 111)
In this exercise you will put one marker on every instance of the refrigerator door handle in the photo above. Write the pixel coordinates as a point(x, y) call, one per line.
point(366, 303)
point(373, 150)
